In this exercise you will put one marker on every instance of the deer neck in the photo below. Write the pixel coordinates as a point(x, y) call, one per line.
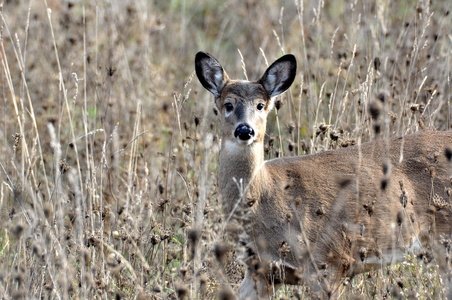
point(241, 170)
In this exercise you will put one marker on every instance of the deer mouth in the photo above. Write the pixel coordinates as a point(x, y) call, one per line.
point(244, 134)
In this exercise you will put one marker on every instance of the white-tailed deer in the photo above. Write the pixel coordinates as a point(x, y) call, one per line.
point(318, 218)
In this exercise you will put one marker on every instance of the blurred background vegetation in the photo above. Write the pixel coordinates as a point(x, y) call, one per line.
point(109, 145)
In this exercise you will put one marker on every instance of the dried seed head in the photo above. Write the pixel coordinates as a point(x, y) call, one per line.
point(161, 188)
point(17, 137)
point(323, 128)
point(377, 129)
point(414, 107)
point(284, 249)
point(291, 146)
point(64, 166)
point(432, 171)
point(448, 153)
point(385, 168)
point(19, 274)
point(183, 271)
point(347, 143)
point(197, 120)
point(381, 97)
point(369, 208)
point(165, 235)
point(193, 236)
point(226, 294)
point(362, 253)
point(278, 103)
point(17, 231)
point(155, 239)
point(400, 218)
point(290, 127)
point(377, 63)
point(271, 141)
point(375, 109)
point(384, 184)
point(421, 108)
point(181, 290)
point(220, 251)
point(439, 202)
point(393, 116)
point(334, 135)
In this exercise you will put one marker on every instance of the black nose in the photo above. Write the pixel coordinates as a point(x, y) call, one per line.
point(244, 132)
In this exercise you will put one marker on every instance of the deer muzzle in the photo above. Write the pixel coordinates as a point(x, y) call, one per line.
point(244, 132)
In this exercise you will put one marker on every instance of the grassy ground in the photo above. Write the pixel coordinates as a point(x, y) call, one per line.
point(109, 145)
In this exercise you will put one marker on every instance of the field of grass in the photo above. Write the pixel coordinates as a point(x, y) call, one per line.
point(109, 144)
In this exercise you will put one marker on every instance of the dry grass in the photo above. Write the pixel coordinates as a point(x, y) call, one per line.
point(109, 146)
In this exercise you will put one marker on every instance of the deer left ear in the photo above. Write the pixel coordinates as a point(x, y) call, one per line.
point(280, 75)
point(210, 73)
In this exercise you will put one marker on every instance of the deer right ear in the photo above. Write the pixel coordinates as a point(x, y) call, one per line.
point(280, 75)
point(210, 73)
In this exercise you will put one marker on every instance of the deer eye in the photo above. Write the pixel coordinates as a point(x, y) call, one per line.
point(260, 106)
point(229, 107)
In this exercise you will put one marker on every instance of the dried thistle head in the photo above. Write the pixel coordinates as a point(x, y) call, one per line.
point(17, 138)
point(220, 251)
point(48, 211)
point(278, 103)
point(193, 238)
point(383, 184)
point(375, 109)
point(197, 119)
point(377, 63)
point(64, 166)
point(386, 168)
point(432, 172)
point(400, 218)
point(448, 153)
point(362, 253)
point(181, 290)
point(17, 231)
point(291, 145)
point(226, 294)
point(290, 127)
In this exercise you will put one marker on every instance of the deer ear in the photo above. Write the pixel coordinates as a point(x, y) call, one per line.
point(210, 73)
point(280, 75)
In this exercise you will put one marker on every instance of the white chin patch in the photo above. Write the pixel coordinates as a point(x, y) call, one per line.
point(244, 142)
point(237, 145)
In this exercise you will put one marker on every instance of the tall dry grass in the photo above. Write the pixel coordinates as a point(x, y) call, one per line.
point(109, 145)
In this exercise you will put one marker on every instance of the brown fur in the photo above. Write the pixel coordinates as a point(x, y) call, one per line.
point(316, 218)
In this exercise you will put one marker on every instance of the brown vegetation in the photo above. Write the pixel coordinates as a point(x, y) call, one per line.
point(109, 147)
